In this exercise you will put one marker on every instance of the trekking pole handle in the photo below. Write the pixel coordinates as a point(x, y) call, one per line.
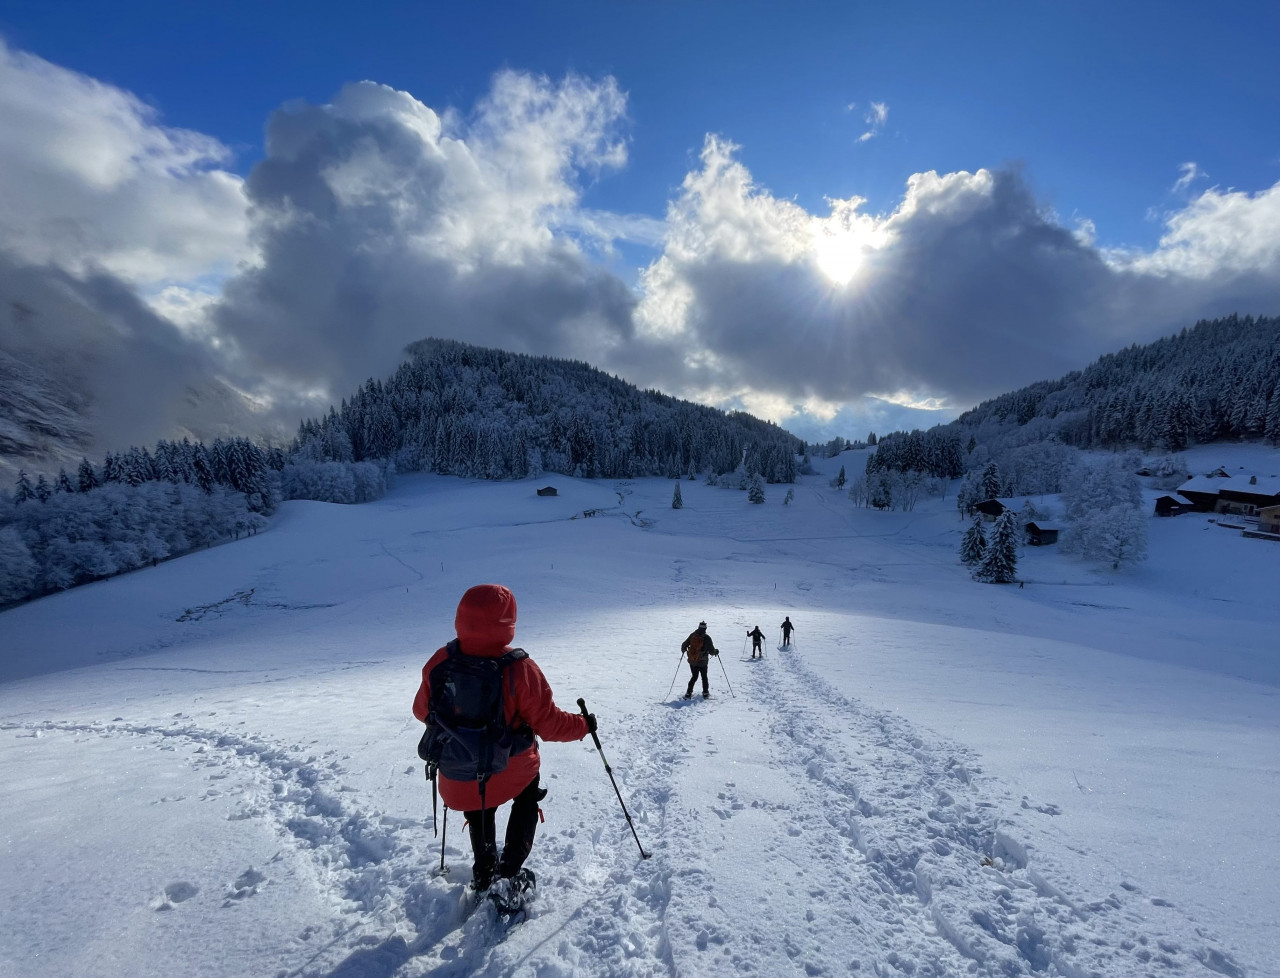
point(582, 705)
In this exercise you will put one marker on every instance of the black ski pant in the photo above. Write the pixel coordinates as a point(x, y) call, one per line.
point(756, 646)
point(698, 670)
point(522, 825)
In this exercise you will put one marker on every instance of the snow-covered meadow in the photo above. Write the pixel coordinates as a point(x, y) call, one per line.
point(209, 766)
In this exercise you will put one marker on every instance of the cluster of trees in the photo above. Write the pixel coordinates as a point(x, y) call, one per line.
point(463, 410)
point(1104, 512)
point(235, 463)
point(938, 452)
point(889, 489)
point(138, 507)
point(1218, 380)
point(73, 537)
point(994, 561)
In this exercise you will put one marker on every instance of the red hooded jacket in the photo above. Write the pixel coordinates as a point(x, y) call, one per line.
point(486, 624)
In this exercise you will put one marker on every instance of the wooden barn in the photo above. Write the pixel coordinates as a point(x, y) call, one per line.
point(548, 491)
point(1173, 505)
point(1041, 533)
point(991, 509)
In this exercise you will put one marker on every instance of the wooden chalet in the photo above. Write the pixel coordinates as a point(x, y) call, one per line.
point(548, 491)
point(1246, 497)
point(1239, 496)
point(1041, 533)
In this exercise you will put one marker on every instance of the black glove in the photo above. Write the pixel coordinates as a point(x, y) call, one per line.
point(715, 651)
point(591, 723)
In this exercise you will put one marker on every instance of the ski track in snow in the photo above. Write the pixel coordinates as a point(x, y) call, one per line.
point(882, 850)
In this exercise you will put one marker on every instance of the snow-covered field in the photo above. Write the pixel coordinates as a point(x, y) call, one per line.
point(209, 766)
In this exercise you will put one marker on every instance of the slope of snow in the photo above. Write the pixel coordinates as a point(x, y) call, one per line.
point(210, 765)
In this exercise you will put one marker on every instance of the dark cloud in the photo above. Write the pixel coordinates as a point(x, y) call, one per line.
point(109, 370)
point(976, 291)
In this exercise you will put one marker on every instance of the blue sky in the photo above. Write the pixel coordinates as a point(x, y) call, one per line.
point(1108, 128)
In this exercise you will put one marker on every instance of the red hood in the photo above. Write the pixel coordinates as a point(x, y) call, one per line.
point(486, 620)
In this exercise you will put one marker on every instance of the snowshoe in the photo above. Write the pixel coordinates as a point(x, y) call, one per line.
point(510, 895)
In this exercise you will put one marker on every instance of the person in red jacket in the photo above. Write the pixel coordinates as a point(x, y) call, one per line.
point(485, 624)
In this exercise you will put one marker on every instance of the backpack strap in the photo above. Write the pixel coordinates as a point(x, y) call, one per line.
point(522, 737)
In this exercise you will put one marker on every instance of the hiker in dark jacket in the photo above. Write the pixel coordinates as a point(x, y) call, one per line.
point(698, 646)
point(485, 625)
point(757, 637)
point(787, 629)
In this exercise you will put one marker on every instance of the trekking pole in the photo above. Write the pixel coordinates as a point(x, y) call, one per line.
point(676, 676)
point(582, 705)
point(444, 835)
point(726, 678)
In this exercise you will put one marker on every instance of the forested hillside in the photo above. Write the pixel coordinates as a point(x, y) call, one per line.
point(463, 410)
point(452, 408)
point(1220, 379)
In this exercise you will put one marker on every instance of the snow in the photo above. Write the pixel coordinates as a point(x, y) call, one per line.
point(210, 767)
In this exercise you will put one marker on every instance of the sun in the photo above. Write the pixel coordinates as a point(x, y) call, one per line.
point(839, 255)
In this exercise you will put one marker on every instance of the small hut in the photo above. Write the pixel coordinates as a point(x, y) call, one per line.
point(548, 491)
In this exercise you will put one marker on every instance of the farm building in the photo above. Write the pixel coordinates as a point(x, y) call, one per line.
point(548, 491)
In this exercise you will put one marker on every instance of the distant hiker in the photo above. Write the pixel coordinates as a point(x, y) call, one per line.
point(757, 637)
point(787, 629)
point(697, 647)
point(476, 674)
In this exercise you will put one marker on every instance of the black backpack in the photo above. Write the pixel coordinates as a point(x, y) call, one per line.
point(467, 736)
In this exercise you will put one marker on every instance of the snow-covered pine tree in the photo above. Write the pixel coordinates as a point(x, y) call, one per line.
point(1000, 563)
point(64, 482)
point(990, 484)
point(23, 491)
point(974, 545)
point(86, 478)
point(755, 489)
point(791, 494)
point(840, 479)
point(676, 501)
point(43, 489)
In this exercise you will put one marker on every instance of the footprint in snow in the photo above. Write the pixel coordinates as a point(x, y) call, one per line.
point(178, 892)
point(246, 885)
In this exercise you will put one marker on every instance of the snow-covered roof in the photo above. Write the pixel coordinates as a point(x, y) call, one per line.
point(1204, 483)
point(1043, 525)
point(1267, 485)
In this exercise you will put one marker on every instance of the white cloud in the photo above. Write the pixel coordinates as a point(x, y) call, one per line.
point(90, 178)
point(1217, 235)
point(1189, 173)
point(383, 221)
point(876, 116)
